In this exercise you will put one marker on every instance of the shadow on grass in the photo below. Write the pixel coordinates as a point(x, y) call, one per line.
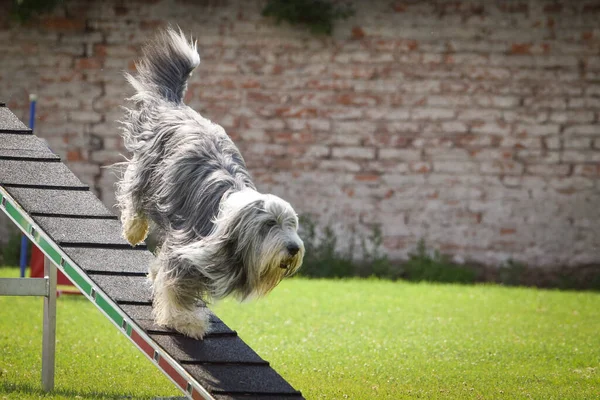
point(31, 391)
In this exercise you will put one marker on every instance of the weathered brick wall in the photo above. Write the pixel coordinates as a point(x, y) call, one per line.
point(472, 124)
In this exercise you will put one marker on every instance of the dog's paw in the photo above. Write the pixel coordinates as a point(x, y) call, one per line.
point(135, 230)
point(193, 330)
point(193, 324)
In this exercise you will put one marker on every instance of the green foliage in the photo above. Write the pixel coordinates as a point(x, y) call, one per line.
point(317, 15)
point(374, 258)
point(23, 10)
point(324, 260)
point(431, 266)
point(511, 273)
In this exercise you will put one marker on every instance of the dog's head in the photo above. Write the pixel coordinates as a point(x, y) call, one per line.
point(260, 231)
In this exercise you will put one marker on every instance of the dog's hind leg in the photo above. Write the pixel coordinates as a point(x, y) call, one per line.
point(135, 228)
point(135, 223)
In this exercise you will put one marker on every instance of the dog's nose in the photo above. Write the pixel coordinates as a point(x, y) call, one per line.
point(293, 249)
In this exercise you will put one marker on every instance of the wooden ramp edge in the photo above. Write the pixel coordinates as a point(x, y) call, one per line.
point(83, 239)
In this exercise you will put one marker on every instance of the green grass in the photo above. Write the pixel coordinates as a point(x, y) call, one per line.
point(358, 339)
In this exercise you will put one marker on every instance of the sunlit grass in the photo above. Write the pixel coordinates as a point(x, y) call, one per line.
point(359, 339)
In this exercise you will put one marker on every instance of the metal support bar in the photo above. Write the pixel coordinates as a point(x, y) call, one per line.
point(24, 286)
point(49, 338)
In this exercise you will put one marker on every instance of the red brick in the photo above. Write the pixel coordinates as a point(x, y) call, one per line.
point(251, 84)
point(521, 48)
point(514, 7)
point(365, 177)
point(296, 112)
point(100, 50)
point(151, 25)
point(591, 8)
point(358, 33)
point(399, 7)
point(120, 10)
point(351, 99)
point(89, 63)
point(553, 8)
point(74, 155)
point(63, 24)
point(420, 167)
point(589, 170)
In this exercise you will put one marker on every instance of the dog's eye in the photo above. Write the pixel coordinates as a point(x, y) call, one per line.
point(271, 223)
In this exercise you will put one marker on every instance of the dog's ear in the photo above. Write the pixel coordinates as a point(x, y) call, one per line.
point(238, 219)
point(212, 260)
point(227, 256)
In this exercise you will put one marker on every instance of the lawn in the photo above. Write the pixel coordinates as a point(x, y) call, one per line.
point(357, 339)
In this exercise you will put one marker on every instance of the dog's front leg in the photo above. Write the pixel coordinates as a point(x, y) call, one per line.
point(176, 309)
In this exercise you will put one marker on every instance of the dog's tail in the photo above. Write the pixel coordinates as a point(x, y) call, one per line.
point(165, 67)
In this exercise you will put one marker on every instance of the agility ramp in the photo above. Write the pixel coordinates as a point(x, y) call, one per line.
point(79, 235)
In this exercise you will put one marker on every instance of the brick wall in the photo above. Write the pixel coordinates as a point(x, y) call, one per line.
point(472, 124)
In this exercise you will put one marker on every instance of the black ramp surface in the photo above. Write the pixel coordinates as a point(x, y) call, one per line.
point(83, 230)
point(142, 314)
point(10, 141)
point(240, 378)
point(60, 202)
point(10, 123)
point(217, 327)
point(36, 173)
point(218, 349)
point(122, 288)
point(10, 154)
point(24, 146)
point(128, 261)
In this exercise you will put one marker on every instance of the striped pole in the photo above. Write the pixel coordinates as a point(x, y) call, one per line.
point(24, 242)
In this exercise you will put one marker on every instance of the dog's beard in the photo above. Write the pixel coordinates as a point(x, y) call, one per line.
point(275, 265)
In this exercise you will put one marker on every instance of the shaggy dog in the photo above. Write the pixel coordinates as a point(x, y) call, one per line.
point(188, 181)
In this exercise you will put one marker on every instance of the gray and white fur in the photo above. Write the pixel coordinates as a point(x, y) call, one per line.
point(218, 235)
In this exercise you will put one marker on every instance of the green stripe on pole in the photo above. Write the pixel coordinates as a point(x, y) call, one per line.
point(108, 309)
point(47, 247)
point(76, 278)
point(15, 213)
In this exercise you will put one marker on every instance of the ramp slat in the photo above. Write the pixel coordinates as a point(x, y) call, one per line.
point(240, 378)
point(111, 260)
point(23, 147)
point(228, 349)
point(8, 154)
point(83, 230)
point(10, 123)
point(12, 141)
point(142, 314)
point(38, 174)
point(60, 202)
point(124, 288)
point(217, 328)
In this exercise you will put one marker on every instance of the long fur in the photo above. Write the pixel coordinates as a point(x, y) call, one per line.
point(188, 182)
